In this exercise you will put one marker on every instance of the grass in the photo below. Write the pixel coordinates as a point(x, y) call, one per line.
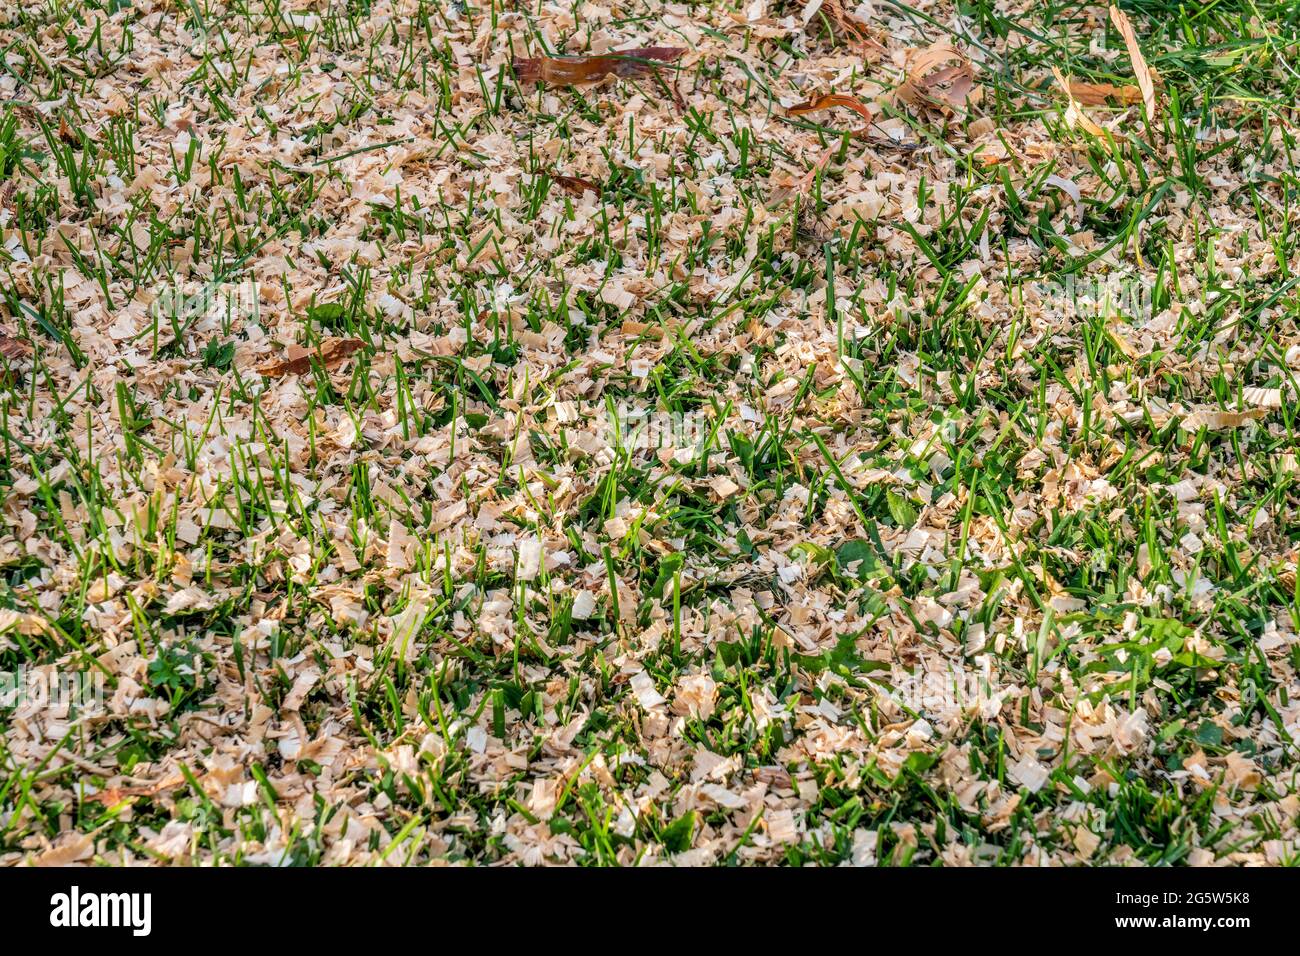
point(945, 571)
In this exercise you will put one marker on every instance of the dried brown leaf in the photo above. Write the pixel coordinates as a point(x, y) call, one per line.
point(1140, 69)
point(830, 100)
point(1098, 94)
point(1074, 114)
point(71, 848)
point(331, 353)
point(574, 185)
point(114, 795)
point(571, 70)
point(1122, 341)
point(12, 348)
point(940, 76)
point(774, 776)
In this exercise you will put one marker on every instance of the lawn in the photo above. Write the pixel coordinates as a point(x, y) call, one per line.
point(642, 433)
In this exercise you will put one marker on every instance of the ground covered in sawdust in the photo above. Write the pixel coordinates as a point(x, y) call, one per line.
point(645, 433)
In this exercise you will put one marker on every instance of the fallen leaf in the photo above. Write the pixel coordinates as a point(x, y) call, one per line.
point(1122, 342)
point(940, 76)
point(774, 776)
point(574, 185)
point(1074, 114)
point(570, 70)
point(1140, 69)
point(830, 100)
point(114, 795)
point(72, 848)
point(1098, 94)
point(12, 348)
point(332, 351)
